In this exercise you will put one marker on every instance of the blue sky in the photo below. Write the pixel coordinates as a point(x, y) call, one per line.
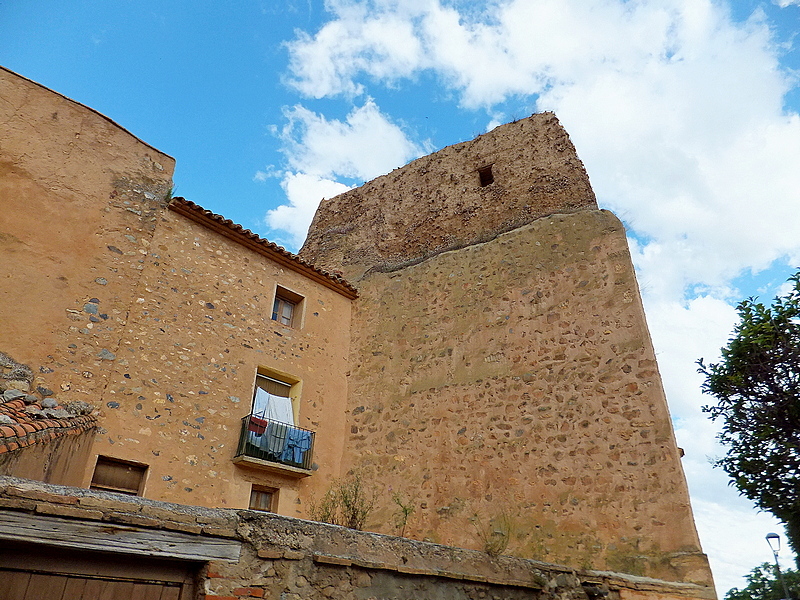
point(685, 113)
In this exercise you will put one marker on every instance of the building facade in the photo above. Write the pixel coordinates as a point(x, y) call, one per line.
point(165, 318)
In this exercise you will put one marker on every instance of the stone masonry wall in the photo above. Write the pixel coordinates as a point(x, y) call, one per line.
point(515, 379)
point(437, 201)
point(502, 374)
point(184, 369)
point(158, 322)
point(289, 559)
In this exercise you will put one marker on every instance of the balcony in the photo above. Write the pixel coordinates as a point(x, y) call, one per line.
point(274, 446)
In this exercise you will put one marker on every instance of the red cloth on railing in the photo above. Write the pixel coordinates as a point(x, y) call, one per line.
point(256, 425)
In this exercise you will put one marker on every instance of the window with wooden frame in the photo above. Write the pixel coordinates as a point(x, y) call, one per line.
point(263, 498)
point(286, 307)
point(273, 397)
point(123, 477)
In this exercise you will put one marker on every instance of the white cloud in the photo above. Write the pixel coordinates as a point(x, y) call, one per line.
point(675, 109)
point(318, 151)
point(385, 46)
point(677, 112)
point(304, 192)
point(365, 145)
point(785, 3)
point(724, 527)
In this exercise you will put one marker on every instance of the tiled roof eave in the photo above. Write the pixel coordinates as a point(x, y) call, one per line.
point(28, 431)
point(252, 241)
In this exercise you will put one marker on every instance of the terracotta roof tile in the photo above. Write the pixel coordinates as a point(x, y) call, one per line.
point(27, 430)
point(253, 241)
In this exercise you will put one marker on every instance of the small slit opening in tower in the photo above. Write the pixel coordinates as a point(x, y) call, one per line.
point(486, 176)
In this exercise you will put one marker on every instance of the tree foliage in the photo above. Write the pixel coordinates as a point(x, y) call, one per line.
point(757, 387)
point(762, 584)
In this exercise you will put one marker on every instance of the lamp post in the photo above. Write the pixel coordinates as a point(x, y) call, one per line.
point(774, 541)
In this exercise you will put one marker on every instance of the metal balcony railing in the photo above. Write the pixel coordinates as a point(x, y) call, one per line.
point(276, 442)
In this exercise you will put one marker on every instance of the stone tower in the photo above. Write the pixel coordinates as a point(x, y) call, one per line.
point(503, 380)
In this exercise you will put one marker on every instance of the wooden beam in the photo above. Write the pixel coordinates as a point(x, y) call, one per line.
point(121, 539)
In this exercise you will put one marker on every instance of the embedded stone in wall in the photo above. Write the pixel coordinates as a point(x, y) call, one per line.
point(15, 378)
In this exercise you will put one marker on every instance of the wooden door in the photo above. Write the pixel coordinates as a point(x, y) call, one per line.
point(31, 573)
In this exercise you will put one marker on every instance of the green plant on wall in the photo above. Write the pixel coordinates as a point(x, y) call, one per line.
point(495, 534)
point(347, 502)
point(405, 509)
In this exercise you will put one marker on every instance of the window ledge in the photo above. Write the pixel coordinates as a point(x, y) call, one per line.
point(272, 467)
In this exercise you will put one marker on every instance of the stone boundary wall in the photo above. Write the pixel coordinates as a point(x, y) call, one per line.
point(290, 559)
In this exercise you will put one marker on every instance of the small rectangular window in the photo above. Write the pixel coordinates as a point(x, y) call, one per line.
point(283, 311)
point(119, 476)
point(286, 308)
point(263, 498)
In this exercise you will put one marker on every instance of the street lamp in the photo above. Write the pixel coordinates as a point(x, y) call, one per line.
point(774, 541)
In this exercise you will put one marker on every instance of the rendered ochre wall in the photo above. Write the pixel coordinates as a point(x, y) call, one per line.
point(511, 377)
point(158, 322)
point(78, 201)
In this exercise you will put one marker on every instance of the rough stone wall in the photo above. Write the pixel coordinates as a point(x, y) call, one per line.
point(437, 202)
point(184, 371)
point(79, 197)
point(292, 559)
point(516, 378)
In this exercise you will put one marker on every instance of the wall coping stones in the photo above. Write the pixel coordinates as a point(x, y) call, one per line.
point(275, 537)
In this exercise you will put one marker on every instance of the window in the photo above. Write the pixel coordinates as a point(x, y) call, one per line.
point(286, 308)
point(272, 400)
point(269, 433)
point(486, 176)
point(119, 476)
point(263, 498)
point(283, 311)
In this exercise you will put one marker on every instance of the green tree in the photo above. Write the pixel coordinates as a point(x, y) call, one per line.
point(762, 584)
point(757, 387)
